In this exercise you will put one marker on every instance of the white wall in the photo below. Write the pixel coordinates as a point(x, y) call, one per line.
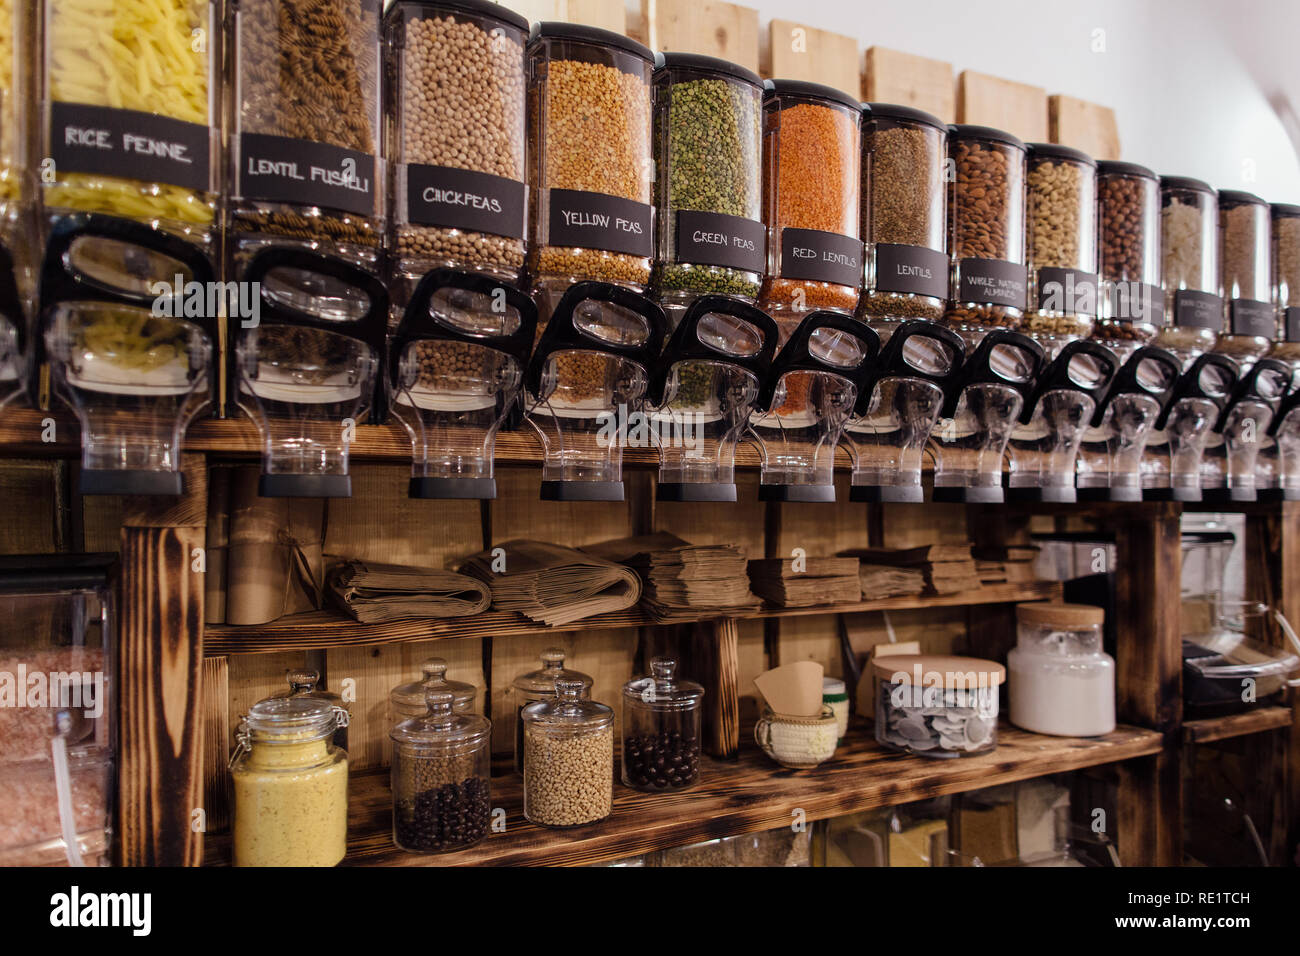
point(1203, 88)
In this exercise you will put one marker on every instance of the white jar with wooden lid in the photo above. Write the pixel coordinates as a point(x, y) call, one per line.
point(935, 705)
point(1061, 682)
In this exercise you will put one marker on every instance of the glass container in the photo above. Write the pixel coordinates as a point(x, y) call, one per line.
point(305, 682)
point(904, 154)
point(701, 395)
point(1233, 451)
point(538, 685)
point(661, 730)
point(456, 371)
point(58, 728)
point(799, 743)
point(305, 370)
point(1245, 277)
point(130, 329)
point(130, 112)
point(1286, 283)
point(709, 223)
point(981, 408)
point(1045, 443)
point(811, 182)
point(1171, 460)
point(442, 764)
point(1128, 252)
point(835, 695)
point(407, 701)
point(936, 706)
point(897, 408)
point(1059, 680)
point(456, 80)
point(1061, 245)
point(590, 164)
point(304, 127)
point(1110, 458)
point(986, 232)
point(290, 785)
point(1284, 431)
point(568, 758)
point(1226, 671)
point(805, 402)
point(19, 22)
point(1189, 243)
point(15, 324)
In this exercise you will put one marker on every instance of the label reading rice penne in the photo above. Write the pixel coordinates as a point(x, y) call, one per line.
point(114, 142)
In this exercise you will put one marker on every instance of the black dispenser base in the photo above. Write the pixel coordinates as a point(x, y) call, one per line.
point(470, 488)
point(305, 486)
point(1054, 494)
point(891, 494)
point(970, 496)
point(820, 494)
point(582, 491)
point(695, 491)
point(107, 481)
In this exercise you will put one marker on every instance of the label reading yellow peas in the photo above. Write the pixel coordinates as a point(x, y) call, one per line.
point(103, 141)
point(588, 220)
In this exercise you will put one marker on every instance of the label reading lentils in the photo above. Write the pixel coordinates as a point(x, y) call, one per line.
point(1198, 310)
point(1067, 290)
point(914, 270)
point(1291, 324)
point(463, 199)
point(820, 257)
point(1137, 302)
point(104, 141)
point(1251, 317)
point(283, 169)
point(993, 281)
point(716, 239)
point(598, 221)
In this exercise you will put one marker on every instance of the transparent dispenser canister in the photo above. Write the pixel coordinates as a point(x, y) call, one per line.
point(1128, 257)
point(305, 371)
point(1241, 435)
point(456, 370)
point(1189, 243)
point(1171, 461)
point(1284, 431)
point(130, 328)
point(1045, 443)
point(805, 403)
point(1110, 460)
point(897, 408)
point(1245, 271)
point(15, 332)
point(701, 395)
point(980, 411)
point(585, 381)
point(1286, 283)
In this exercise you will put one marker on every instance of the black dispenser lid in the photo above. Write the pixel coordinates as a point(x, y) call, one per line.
point(686, 344)
point(1063, 373)
point(899, 358)
point(982, 368)
point(1148, 371)
point(1210, 376)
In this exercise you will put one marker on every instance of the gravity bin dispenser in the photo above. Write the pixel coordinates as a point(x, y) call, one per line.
point(981, 409)
point(1045, 444)
point(585, 384)
point(130, 327)
point(807, 399)
point(456, 369)
point(1171, 460)
point(702, 393)
point(1284, 432)
point(1233, 452)
point(1110, 461)
point(304, 368)
point(897, 408)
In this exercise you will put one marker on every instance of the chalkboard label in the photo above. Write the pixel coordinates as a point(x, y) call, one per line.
point(1069, 291)
point(103, 141)
point(1137, 302)
point(307, 173)
point(715, 239)
point(992, 282)
point(912, 270)
point(1198, 310)
point(463, 199)
point(1251, 317)
point(1291, 323)
point(818, 256)
point(598, 221)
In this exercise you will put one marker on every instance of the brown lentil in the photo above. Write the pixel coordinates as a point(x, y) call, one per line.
point(1127, 232)
point(1243, 259)
point(462, 106)
point(568, 779)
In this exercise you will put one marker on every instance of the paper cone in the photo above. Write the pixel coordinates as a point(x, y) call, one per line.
point(793, 689)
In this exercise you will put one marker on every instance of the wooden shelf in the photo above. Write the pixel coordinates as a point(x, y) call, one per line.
point(326, 629)
point(1256, 721)
point(747, 795)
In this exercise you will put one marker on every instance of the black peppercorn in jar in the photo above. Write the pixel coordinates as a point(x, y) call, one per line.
point(1189, 249)
point(661, 730)
point(707, 133)
point(1245, 277)
point(1128, 253)
point(904, 154)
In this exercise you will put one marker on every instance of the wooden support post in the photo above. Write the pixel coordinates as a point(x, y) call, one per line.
point(160, 782)
point(719, 670)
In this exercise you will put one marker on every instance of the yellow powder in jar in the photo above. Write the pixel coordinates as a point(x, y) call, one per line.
point(8, 115)
point(291, 805)
point(146, 55)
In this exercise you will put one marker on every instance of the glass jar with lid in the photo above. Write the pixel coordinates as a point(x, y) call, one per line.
point(986, 232)
point(568, 758)
point(1128, 253)
point(306, 682)
point(441, 768)
point(1286, 283)
point(1245, 277)
point(937, 706)
point(1059, 680)
point(409, 700)
point(1061, 245)
point(290, 785)
point(540, 685)
point(1189, 243)
point(661, 730)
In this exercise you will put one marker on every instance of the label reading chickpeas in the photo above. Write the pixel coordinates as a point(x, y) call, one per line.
point(1249, 317)
point(283, 169)
point(1291, 324)
point(1198, 310)
point(818, 256)
point(103, 141)
point(589, 220)
point(717, 239)
point(463, 199)
point(992, 281)
point(1067, 290)
point(911, 269)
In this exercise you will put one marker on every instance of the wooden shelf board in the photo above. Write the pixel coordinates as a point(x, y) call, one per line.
point(325, 629)
point(747, 795)
point(1209, 729)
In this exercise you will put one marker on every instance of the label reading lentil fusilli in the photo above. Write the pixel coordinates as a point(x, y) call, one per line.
point(284, 169)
